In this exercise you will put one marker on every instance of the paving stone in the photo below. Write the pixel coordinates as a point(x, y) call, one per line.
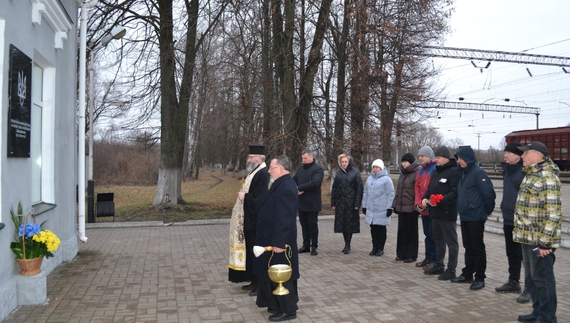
point(179, 274)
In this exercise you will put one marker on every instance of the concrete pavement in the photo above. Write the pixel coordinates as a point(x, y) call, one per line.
point(155, 273)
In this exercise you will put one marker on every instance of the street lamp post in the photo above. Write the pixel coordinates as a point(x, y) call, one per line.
point(81, 116)
point(116, 33)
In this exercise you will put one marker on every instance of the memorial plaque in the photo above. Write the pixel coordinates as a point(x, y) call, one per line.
point(20, 103)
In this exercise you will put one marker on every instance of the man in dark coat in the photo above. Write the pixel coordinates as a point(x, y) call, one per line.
point(277, 228)
point(512, 178)
point(244, 223)
point(309, 179)
point(475, 202)
point(444, 213)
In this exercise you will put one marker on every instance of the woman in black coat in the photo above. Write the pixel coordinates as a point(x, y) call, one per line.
point(407, 241)
point(346, 198)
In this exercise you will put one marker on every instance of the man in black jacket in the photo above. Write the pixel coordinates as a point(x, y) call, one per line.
point(512, 178)
point(309, 178)
point(475, 202)
point(443, 182)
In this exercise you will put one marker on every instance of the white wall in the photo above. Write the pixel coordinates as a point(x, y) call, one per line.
point(40, 41)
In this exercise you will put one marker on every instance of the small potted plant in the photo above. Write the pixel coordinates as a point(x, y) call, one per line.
point(32, 244)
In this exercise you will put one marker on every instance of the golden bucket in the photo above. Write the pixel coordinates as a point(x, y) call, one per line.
point(279, 274)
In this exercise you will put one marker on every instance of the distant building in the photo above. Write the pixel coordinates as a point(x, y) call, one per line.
point(38, 147)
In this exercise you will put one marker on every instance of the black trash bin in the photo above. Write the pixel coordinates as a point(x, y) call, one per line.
point(105, 205)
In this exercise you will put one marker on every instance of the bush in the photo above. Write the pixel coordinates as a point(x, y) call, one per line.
point(125, 163)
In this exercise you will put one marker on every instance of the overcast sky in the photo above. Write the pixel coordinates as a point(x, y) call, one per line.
point(530, 26)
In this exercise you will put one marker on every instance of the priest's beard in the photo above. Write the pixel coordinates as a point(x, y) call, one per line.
point(251, 166)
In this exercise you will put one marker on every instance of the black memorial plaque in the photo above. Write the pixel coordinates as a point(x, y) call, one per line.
point(20, 103)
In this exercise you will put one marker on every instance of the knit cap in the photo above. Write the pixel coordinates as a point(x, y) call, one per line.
point(409, 158)
point(512, 147)
point(443, 152)
point(379, 163)
point(426, 151)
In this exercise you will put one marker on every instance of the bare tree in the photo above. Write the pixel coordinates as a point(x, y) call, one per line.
point(454, 144)
point(221, 75)
point(417, 135)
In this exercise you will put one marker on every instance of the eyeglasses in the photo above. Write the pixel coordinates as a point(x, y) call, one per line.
point(270, 168)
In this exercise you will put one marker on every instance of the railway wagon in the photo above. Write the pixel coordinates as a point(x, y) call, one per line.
point(557, 140)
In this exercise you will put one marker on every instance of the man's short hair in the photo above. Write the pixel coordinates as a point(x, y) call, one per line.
point(308, 152)
point(284, 161)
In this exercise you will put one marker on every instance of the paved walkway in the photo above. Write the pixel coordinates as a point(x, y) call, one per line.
point(179, 273)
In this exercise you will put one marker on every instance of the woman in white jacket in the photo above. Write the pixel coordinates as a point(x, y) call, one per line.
point(377, 201)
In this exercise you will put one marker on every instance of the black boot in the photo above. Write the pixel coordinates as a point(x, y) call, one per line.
point(347, 247)
point(374, 242)
point(345, 242)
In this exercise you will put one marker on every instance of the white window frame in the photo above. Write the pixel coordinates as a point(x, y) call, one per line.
point(47, 104)
point(2, 124)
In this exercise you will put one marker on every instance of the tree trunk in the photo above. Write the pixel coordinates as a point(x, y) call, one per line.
point(173, 116)
point(288, 79)
point(359, 95)
point(341, 42)
point(168, 187)
point(307, 83)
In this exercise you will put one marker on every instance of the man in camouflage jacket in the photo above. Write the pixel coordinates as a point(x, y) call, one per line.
point(537, 222)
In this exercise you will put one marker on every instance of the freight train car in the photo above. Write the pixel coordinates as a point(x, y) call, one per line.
point(557, 140)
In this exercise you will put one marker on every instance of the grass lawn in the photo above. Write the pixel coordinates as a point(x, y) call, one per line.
point(212, 196)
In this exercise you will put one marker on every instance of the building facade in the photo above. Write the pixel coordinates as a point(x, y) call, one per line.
point(38, 146)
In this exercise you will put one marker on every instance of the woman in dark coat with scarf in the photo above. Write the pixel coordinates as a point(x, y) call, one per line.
point(407, 241)
point(346, 198)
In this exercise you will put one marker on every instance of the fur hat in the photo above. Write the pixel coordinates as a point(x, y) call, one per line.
point(512, 147)
point(409, 158)
point(443, 152)
point(426, 151)
point(379, 163)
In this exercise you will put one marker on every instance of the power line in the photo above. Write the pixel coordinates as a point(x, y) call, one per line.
point(556, 42)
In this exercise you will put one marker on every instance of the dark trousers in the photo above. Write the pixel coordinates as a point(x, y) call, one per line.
point(407, 241)
point(445, 235)
point(282, 304)
point(310, 228)
point(475, 254)
point(541, 284)
point(429, 243)
point(378, 233)
point(514, 253)
point(249, 243)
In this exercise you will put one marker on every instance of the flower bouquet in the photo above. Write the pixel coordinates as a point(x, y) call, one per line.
point(434, 199)
point(32, 242)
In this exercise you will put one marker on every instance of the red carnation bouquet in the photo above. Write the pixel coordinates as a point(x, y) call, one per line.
point(434, 199)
